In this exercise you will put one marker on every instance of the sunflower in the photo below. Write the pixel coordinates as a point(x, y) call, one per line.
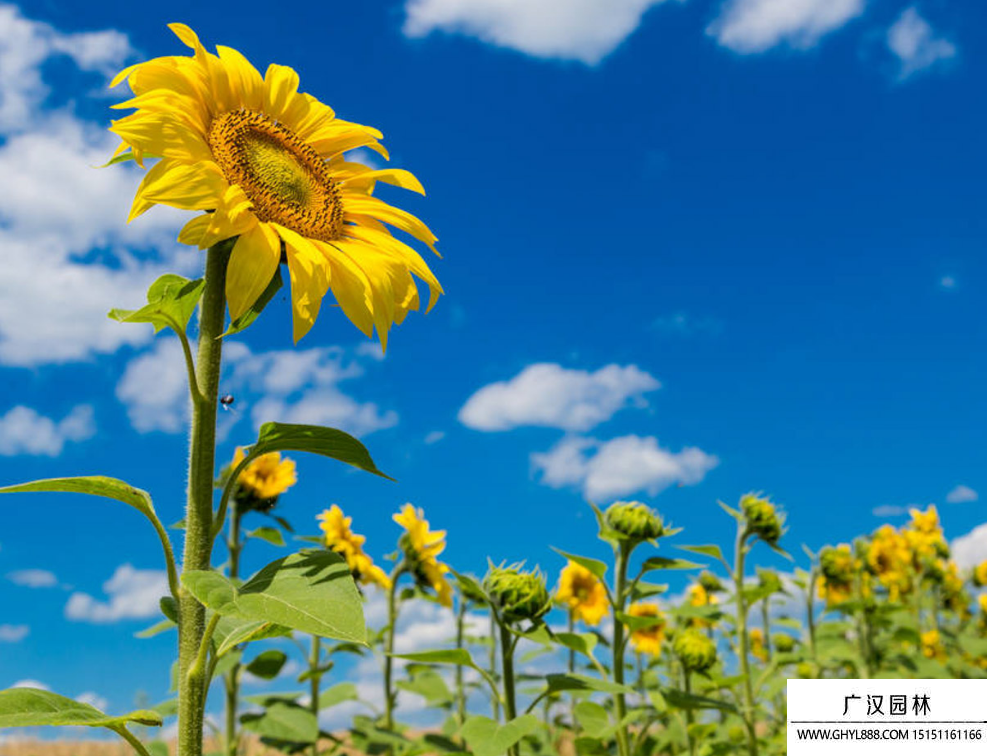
point(582, 593)
point(421, 547)
point(980, 574)
point(340, 538)
point(759, 648)
point(265, 478)
point(266, 163)
point(647, 640)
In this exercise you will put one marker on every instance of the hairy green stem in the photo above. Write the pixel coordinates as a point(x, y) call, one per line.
point(198, 514)
point(619, 642)
point(689, 715)
point(507, 665)
point(743, 649)
point(460, 686)
point(392, 618)
point(313, 664)
point(231, 680)
point(494, 701)
point(124, 733)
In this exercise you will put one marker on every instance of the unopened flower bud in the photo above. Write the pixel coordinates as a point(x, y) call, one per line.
point(517, 595)
point(762, 518)
point(634, 520)
point(695, 650)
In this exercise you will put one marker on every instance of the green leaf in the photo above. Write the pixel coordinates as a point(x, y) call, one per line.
point(267, 664)
point(634, 623)
point(681, 700)
point(271, 535)
point(30, 707)
point(171, 300)
point(598, 568)
point(430, 685)
point(94, 485)
point(157, 629)
point(328, 442)
point(242, 322)
point(664, 563)
point(337, 694)
point(459, 656)
point(583, 643)
point(486, 738)
point(708, 549)
point(592, 717)
point(283, 721)
point(558, 683)
point(311, 591)
point(232, 631)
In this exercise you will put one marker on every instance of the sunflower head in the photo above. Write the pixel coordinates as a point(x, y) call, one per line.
point(338, 537)
point(262, 481)
point(265, 164)
point(634, 520)
point(582, 593)
point(980, 574)
point(517, 594)
point(421, 548)
point(762, 518)
point(695, 650)
point(932, 647)
point(759, 649)
point(648, 640)
point(784, 642)
point(710, 582)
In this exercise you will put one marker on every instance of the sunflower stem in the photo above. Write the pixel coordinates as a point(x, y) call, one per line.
point(315, 683)
point(743, 649)
point(507, 664)
point(198, 515)
point(392, 618)
point(232, 678)
point(619, 641)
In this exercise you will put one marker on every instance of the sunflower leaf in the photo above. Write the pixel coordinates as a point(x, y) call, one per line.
point(328, 442)
point(31, 707)
point(171, 301)
point(311, 591)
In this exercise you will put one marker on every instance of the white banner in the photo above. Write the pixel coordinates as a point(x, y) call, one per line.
point(878, 717)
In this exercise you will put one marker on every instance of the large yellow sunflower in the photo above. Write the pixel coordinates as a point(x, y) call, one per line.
point(266, 162)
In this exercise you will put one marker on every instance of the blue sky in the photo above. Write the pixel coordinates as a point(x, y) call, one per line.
point(691, 249)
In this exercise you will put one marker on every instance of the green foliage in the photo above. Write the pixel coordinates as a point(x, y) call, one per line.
point(171, 300)
point(30, 707)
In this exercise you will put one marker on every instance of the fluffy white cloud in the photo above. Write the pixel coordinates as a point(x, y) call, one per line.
point(26, 44)
point(13, 633)
point(24, 431)
point(621, 466)
point(916, 44)
point(962, 494)
point(549, 395)
point(433, 437)
point(93, 699)
point(30, 684)
point(65, 249)
point(131, 594)
point(971, 549)
point(583, 30)
point(33, 578)
point(292, 386)
point(753, 26)
point(888, 510)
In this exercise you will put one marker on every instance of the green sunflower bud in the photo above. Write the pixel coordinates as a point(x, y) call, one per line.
point(710, 582)
point(737, 735)
point(783, 642)
point(807, 670)
point(695, 650)
point(518, 595)
point(634, 520)
point(762, 518)
point(769, 581)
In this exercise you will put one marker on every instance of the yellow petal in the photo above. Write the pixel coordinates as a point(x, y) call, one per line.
point(245, 80)
point(252, 265)
point(280, 85)
point(309, 279)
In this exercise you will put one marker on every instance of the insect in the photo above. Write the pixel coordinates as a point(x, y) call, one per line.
point(226, 400)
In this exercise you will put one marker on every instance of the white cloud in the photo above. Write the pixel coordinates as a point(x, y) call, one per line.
point(291, 386)
point(971, 549)
point(753, 26)
point(549, 395)
point(25, 45)
point(13, 633)
point(583, 30)
point(947, 282)
point(154, 388)
point(24, 431)
point(30, 684)
point(888, 510)
point(33, 578)
point(65, 249)
point(962, 494)
point(131, 594)
point(93, 699)
point(916, 45)
point(433, 437)
point(621, 466)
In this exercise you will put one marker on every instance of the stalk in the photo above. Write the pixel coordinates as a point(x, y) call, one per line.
point(689, 715)
point(619, 641)
point(495, 702)
point(572, 669)
point(392, 617)
point(507, 664)
point(460, 687)
point(316, 680)
point(231, 680)
point(198, 515)
point(744, 646)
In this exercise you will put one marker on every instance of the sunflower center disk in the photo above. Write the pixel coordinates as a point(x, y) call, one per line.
point(285, 179)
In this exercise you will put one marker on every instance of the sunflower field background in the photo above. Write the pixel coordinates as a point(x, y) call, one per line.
point(478, 377)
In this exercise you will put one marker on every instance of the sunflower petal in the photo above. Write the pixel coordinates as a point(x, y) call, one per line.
point(252, 265)
point(309, 279)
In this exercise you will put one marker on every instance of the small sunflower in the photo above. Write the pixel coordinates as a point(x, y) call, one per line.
point(266, 163)
point(980, 574)
point(759, 649)
point(647, 640)
point(263, 480)
point(582, 593)
point(340, 538)
point(932, 647)
point(421, 547)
